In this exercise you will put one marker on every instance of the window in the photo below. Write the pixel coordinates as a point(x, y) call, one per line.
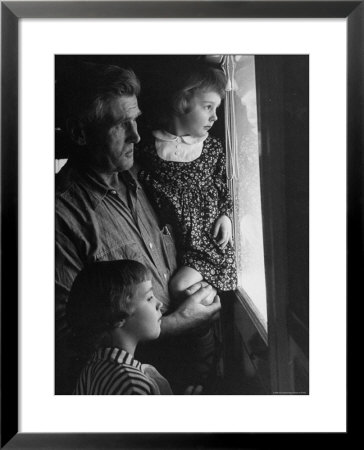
point(244, 176)
point(268, 169)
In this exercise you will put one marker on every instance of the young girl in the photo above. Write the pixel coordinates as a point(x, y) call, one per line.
point(184, 171)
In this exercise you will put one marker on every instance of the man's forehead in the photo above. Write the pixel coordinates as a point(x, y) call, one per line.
point(123, 106)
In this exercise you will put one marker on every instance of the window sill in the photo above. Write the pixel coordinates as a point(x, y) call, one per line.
point(254, 315)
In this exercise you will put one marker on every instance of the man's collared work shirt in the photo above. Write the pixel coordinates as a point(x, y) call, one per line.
point(96, 223)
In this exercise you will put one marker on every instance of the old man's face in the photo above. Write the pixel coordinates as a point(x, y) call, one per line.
point(111, 143)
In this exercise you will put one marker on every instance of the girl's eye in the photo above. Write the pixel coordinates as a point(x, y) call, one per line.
point(208, 107)
point(149, 299)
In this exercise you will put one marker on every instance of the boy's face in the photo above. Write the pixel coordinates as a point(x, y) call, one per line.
point(202, 114)
point(145, 321)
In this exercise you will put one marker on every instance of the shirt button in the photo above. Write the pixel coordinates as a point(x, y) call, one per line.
point(150, 245)
point(165, 276)
point(113, 192)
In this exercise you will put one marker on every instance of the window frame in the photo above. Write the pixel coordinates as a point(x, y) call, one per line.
point(283, 348)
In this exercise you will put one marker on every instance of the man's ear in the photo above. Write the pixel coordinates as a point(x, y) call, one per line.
point(76, 131)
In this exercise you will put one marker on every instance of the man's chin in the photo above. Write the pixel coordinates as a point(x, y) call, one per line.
point(126, 164)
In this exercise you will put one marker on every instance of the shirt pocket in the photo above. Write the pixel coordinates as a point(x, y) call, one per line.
point(170, 248)
point(130, 250)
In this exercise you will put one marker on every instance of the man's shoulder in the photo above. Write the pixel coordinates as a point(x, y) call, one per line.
point(64, 180)
point(70, 194)
point(69, 183)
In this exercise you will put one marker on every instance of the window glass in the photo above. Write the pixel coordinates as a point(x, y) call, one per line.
point(243, 160)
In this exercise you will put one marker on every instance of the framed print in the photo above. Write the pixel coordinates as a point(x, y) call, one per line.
point(38, 40)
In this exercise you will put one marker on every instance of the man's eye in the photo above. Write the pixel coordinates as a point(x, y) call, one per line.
point(123, 123)
point(150, 298)
point(119, 125)
point(129, 123)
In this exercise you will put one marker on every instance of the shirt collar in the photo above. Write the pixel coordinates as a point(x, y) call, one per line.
point(169, 137)
point(96, 189)
point(116, 355)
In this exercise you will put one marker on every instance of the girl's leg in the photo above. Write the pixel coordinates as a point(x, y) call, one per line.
point(184, 278)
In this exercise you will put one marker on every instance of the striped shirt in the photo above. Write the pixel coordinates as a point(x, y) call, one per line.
point(112, 371)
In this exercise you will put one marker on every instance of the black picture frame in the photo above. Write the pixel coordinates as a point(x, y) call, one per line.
point(11, 12)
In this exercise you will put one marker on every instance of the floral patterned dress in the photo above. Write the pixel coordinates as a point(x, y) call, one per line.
point(191, 196)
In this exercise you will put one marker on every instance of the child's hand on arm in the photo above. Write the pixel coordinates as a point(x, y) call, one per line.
point(223, 231)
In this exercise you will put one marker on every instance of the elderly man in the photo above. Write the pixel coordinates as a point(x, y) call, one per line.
point(102, 213)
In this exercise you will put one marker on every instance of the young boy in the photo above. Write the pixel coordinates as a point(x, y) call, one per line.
point(111, 309)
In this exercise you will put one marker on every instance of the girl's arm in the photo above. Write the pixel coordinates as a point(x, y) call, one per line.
point(225, 200)
point(222, 232)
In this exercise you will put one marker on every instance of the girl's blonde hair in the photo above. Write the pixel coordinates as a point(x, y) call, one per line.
point(180, 88)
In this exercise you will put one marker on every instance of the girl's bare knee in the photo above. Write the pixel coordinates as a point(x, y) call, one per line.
point(177, 286)
point(182, 280)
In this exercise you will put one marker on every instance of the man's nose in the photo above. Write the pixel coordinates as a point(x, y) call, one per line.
point(133, 133)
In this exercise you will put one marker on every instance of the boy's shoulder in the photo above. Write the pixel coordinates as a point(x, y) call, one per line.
point(124, 374)
point(133, 380)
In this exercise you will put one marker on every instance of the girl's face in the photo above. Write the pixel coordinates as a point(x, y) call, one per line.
point(201, 115)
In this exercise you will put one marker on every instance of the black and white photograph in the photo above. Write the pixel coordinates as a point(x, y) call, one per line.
point(181, 224)
point(181, 215)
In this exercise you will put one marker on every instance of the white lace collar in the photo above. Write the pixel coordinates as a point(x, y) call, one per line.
point(169, 137)
point(178, 148)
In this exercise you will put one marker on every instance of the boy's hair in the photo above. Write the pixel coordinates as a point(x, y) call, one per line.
point(181, 87)
point(94, 85)
point(100, 297)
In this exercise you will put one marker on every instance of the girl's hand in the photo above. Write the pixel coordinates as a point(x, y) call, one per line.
point(223, 231)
